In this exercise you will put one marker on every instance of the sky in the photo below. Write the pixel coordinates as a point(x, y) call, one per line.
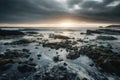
point(63, 12)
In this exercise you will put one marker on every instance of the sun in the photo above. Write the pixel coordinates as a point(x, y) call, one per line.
point(67, 24)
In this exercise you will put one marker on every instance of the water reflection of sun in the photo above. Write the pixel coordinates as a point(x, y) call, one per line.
point(67, 24)
point(66, 33)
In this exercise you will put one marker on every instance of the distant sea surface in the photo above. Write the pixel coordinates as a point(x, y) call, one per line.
point(49, 28)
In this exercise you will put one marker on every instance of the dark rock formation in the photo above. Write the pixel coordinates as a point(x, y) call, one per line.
point(57, 58)
point(10, 57)
point(25, 68)
point(22, 41)
point(113, 26)
point(104, 31)
point(103, 57)
point(106, 38)
point(58, 36)
point(10, 32)
point(73, 55)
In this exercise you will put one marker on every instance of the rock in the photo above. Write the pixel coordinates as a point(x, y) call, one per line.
point(38, 58)
point(22, 41)
point(73, 55)
point(57, 58)
point(113, 26)
point(31, 59)
point(41, 35)
point(84, 79)
point(11, 54)
point(27, 56)
point(104, 31)
point(25, 68)
point(36, 77)
point(5, 67)
point(80, 40)
point(91, 65)
point(56, 52)
point(31, 64)
point(57, 72)
point(39, 55)
point(10, 32)
point(111, 66)
point(5, 61)
point(36, 47)
point(26, 50)
point(89, 32)
point(82, 33)
point(106, 38)
point(55, 45)
point(103, 58)
point(65, 64)
point(31, 32)
point(62, 68)
point(58, 36)
point(3, 78)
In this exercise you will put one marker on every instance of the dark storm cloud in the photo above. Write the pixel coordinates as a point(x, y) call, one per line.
point(19, 11)
point(28, 10)
point(106, 11)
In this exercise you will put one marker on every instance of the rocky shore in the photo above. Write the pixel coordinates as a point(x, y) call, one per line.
point(55, 56)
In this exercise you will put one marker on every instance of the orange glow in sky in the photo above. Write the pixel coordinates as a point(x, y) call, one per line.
point(63, 23)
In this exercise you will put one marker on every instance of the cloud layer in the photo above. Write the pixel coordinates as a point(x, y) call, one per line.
point(23, 11)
